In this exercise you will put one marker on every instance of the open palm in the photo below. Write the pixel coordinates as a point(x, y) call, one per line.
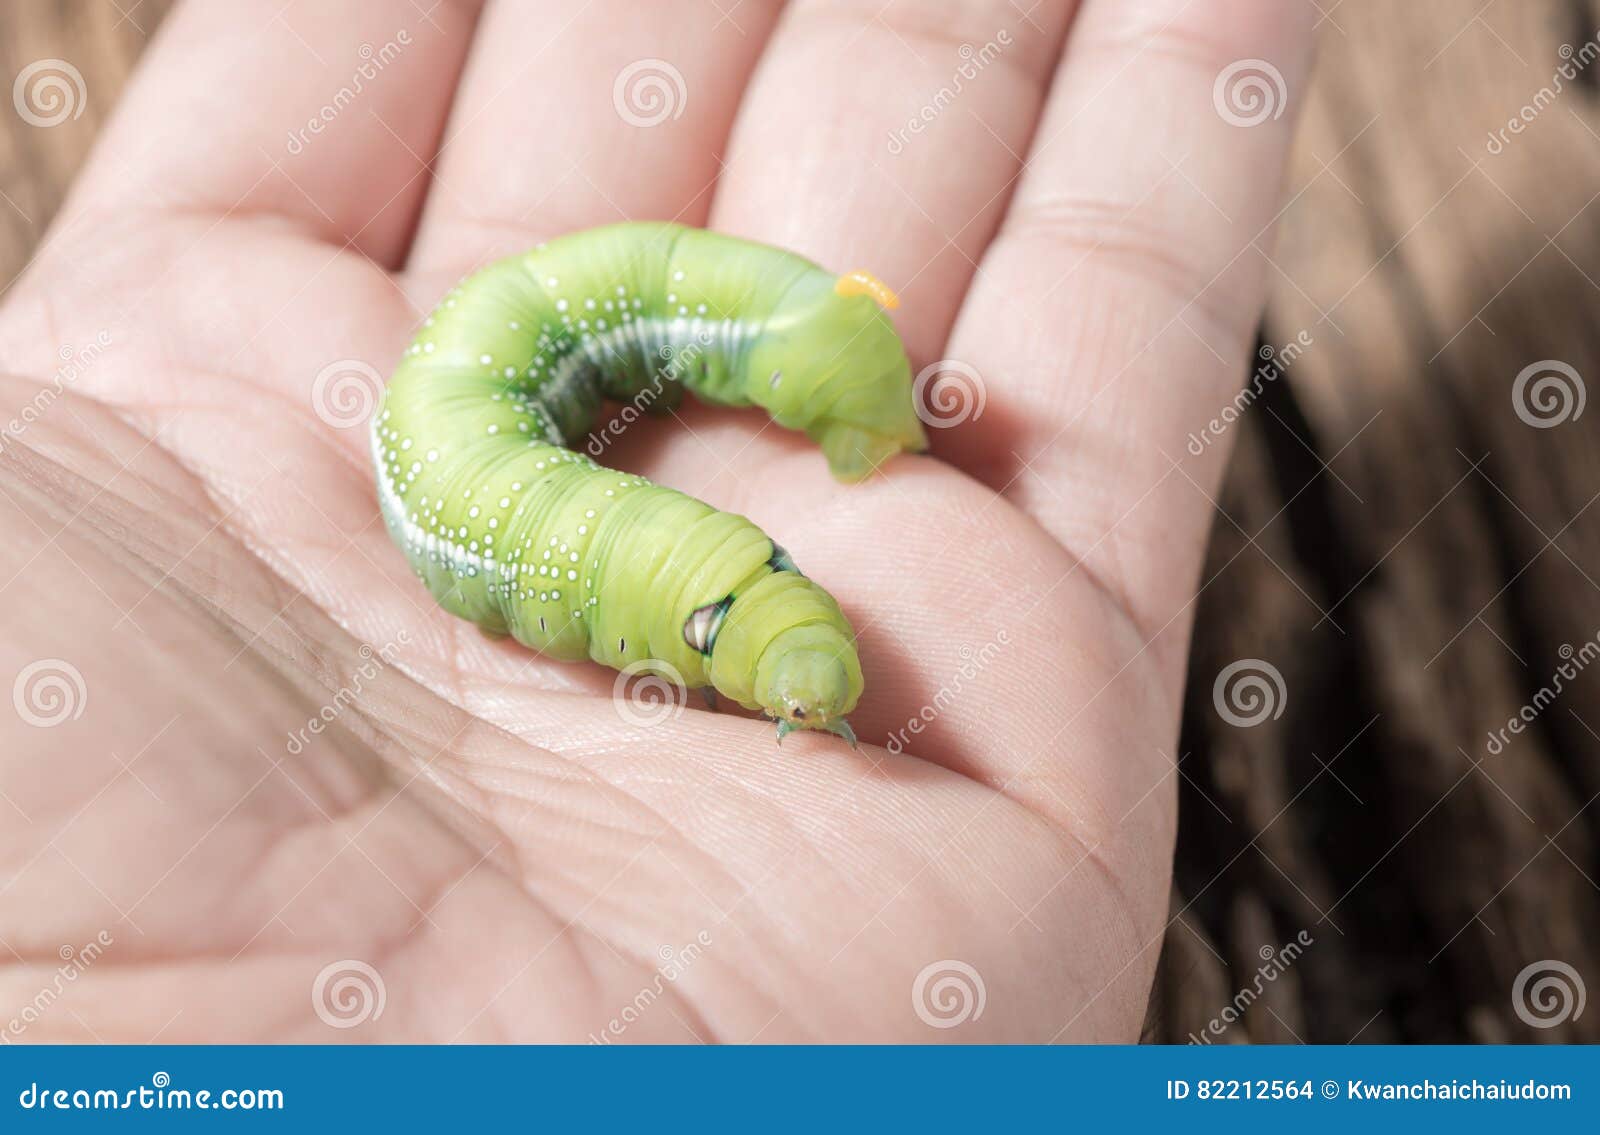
point(284, 792)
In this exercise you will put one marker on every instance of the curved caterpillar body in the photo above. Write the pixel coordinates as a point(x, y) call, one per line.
point(511, 528)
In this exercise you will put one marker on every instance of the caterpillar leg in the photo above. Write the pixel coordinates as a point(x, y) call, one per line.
point(840, 728)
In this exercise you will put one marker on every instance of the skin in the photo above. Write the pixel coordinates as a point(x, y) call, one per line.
point(480, 826)
point(512, 530)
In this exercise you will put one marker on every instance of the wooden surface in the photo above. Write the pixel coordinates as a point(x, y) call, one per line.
point(1406, 551)
point(1418, 591)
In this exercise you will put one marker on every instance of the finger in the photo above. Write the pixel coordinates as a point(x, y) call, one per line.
point(324, 114)
point(573, 114)
point(1114, 313)
point(886, 137)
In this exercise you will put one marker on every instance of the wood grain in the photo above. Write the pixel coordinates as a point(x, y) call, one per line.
point(1418, 589)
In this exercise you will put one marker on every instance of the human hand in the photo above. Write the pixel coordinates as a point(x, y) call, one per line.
point(193, 531)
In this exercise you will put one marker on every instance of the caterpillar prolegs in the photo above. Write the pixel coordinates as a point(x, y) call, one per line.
point(512, 528)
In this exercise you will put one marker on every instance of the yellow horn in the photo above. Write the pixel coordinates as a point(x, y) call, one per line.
point(861, 283)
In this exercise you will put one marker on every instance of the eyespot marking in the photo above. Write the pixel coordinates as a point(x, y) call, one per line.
point(701, 627)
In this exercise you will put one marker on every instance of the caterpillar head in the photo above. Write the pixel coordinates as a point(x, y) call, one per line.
point(804, 681)
point(785, 648)
point(831, 363)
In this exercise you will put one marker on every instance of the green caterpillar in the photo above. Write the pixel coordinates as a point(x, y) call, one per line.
point(511, 528)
